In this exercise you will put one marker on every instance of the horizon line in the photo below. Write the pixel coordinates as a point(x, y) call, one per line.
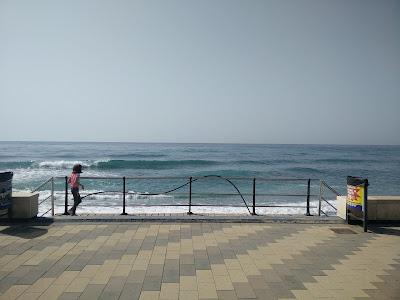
point(183, 143)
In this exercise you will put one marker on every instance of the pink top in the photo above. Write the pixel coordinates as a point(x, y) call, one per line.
point(73, 180)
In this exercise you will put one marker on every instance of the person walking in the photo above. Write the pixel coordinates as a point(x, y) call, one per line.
point(74, 183)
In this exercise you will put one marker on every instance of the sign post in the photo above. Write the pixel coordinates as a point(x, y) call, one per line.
point(357, 200)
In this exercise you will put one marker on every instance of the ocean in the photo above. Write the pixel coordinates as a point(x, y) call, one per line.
point(34, 162)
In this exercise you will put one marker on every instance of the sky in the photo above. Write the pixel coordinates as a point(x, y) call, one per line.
point(217, 71)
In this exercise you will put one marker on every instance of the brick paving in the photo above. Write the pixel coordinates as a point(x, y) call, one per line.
point(198, 261)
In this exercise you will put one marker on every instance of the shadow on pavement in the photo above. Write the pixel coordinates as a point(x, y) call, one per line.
point(386, 230)
point(25, 232)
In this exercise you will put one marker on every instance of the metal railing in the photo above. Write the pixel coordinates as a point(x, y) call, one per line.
point(50, 197)
point(323, 198)
point(251, 206)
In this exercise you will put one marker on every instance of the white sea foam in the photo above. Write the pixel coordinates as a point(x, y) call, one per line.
point(41, 174)
point(67, 164)
point(83, 209)
point(62, 164)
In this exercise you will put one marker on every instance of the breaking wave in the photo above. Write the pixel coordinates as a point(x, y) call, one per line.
point(109, 164)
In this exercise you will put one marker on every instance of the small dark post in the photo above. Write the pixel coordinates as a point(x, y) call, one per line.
point(365, 210)
point(254, 197)
point(123, 196)
point(66, 197)
point(308, 198)
point(190, 197)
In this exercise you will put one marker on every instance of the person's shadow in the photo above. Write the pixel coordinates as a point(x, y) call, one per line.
point(25, 232)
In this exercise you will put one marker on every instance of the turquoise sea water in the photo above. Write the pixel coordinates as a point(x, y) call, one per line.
point(34, 162)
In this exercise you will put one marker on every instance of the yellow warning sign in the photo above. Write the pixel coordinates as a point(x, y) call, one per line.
point(355, 197)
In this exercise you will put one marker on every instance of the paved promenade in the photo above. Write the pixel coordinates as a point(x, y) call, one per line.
point(198, 261)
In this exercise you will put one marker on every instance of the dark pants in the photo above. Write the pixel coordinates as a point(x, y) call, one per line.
point(77, 199)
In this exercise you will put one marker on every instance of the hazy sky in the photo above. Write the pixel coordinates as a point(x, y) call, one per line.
point(243, 71)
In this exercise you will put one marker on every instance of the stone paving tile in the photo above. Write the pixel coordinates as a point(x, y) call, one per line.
point(280, 290)
point(149, 295)
point(171, 271)
point(113, 288)
point(186, 259)
point(377, 294)
point(92, 291)
point(131, 291)
point(136, 276)
point(169, 291)
point(197, 261)
point(188, 283)
point(21, 271)
point(226, 295)
point(267, 294)
point(257, 282)
point(14, 292)
point(187, 270)
point(155, 270)
point(188, 295)
point(244, 290)
point(7, 283)
point(152, 283)
point(29, 296)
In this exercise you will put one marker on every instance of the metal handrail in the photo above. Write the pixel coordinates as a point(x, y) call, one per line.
point(45, 199)
point(188, 183)
point(225, 194)
point(51, 180)
point(323, 185)
point(45, 212)
point(200, 205)
point(328, 203)
point(42, 185)
point(330, 188)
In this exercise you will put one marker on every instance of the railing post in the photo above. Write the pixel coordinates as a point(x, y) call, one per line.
point(365, 208)
point(321, 189)
point(66, 197)
point(123, 196)
point(254, 197)
point(308, 198)
point(52, 196)
point(190, 197)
